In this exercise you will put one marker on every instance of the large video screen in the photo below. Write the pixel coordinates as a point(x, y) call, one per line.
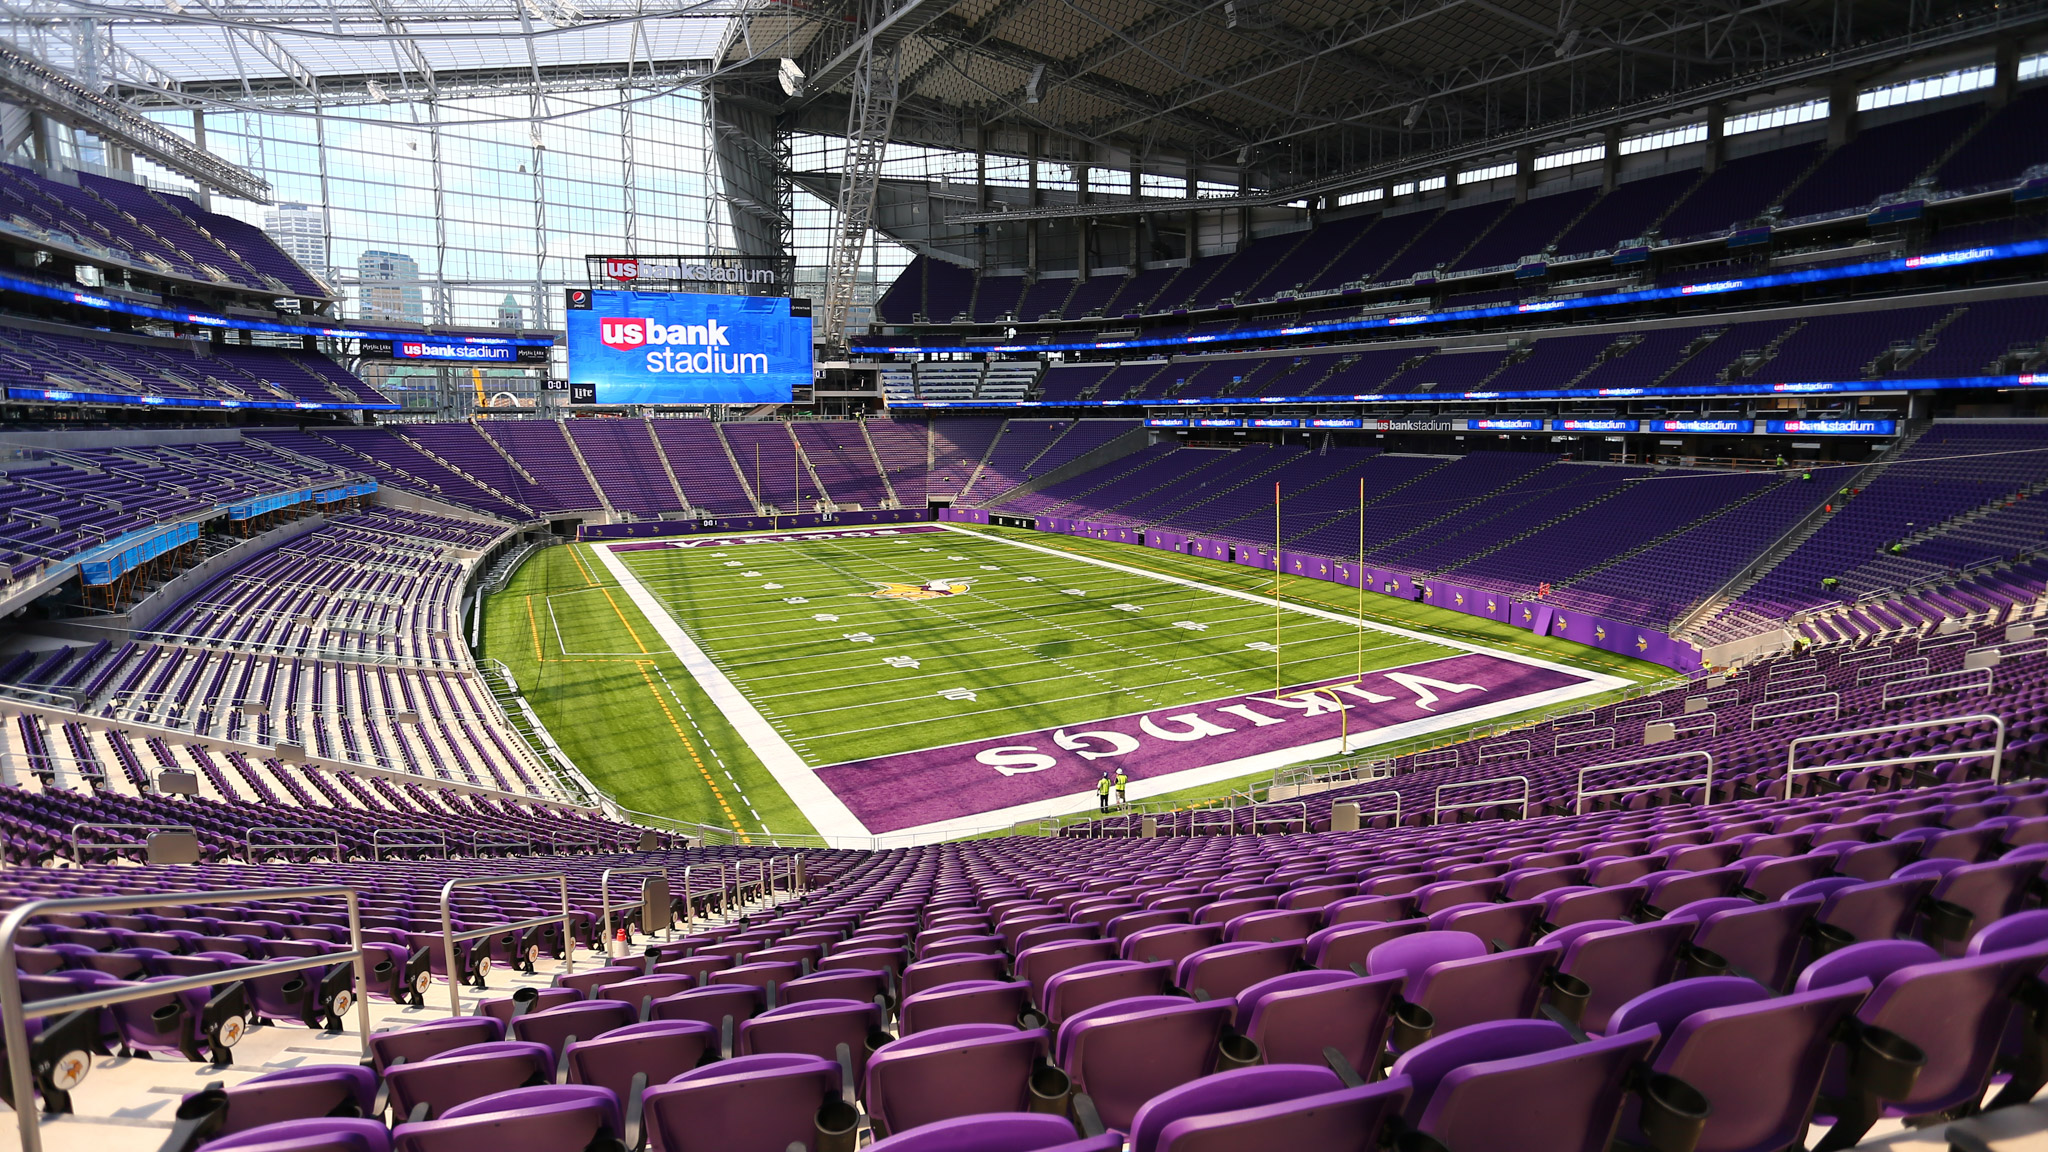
point(686, 348)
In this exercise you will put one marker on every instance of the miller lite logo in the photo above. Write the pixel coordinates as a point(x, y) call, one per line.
point(624, 271)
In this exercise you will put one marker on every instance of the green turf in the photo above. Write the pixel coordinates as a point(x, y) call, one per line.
point(1033, 653)
point(636, 724)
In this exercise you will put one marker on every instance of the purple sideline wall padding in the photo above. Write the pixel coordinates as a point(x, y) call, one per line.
point(1471, 601)
point(964, 515)
point(1628, 639)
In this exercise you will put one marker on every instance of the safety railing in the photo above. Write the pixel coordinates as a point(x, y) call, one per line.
point(281, 836)
point(1875, 654)
point(80, 845)
point(1695, 724)
point(1939, 684)
point(1635, 708)
point(1438, 808)
point(1713, 698)
point(1584, 738)
point(1895, 670)
point(15, 1013)
point(519, 842)
point(1795, 667)
point(565, 843)
point(1779, 689)
point(1443, 758)
point(384, 840)
point(1793, 770)
point(1706, 782)
point(741, 885)
point(1364, 815)
point(1288, 812)
point(450, 937)
point(647, 897)
point(1504, 750)
point(692, 874)
point(1202, 818)
point(1798, 708)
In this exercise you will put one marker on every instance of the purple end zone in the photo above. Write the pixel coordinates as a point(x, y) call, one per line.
point(909, 789)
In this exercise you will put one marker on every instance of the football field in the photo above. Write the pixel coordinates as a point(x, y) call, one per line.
point(932, 678)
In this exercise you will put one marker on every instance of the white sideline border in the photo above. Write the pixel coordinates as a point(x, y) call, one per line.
point(832, 818)
point(819, 804)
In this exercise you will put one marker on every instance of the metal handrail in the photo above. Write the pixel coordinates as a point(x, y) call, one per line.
point(1439, 808)
point(1809, 706)
point(1707, 781)
point(739, 884)
point(1196, 822)
point(1583, 738)
point(77, 848)
point(689, 906)
point(333, 834)
point(1997, 752)
point(478, 841)
point(437, 839)
point(15, 1014)
point(1505, 750)
point(563, 840)
point(604, 894)
point(450, 938)
point(1887, 699)
point(1362, 813)
point(1291, 805)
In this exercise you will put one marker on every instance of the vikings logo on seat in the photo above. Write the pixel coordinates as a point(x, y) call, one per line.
point(929, 590)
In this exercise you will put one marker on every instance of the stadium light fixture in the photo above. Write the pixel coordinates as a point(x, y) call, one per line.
point(1034, 88)
point(790, 77)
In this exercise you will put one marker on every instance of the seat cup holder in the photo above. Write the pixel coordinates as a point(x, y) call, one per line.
point(838, 1126)
point(1050, 1089)
point(1885, 1064)
point(1412, 1025)
point(166, 1019)
point(1674, 1113)
point(1695, 962)
point(1236, 1051)
point(1947, 920)
point(1828, 938)
point(1568, 994)
point(1416, 1140)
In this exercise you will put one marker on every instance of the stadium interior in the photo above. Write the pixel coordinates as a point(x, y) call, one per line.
point(1432, 576)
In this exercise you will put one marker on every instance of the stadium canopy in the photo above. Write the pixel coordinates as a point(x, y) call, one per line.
point(1278, 94)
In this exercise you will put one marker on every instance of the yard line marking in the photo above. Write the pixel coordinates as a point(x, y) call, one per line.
point(1351, 620)
point(826, 812)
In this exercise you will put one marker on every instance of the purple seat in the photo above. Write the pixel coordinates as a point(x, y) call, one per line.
point(585, 1020)
point(417, 1042)
point(966, 1002)
point(1763, 1057)
point(1037, 965)
point(1954, 1011)
point(463, 1074)
point(713, 1004)
point(292, 1094)
point(845, 984)
point(817, 1028)
point(1283, 1106)
point(584, 982)
point(1874, 910)
point(663, 1049)
point(1086, 986)
point(761, 1103)
point(1522, 1084)
point(1293, 1017)
point(1225, 970)
point(1764, 941)
point(1341, 946)
point(324, 1135)
point(1450, 975)
point(1621, 961)
point(1125, 1053)
point(1007, 1132)
point(1171, 942)
point(541, 1119)
point(943, 1073)
point(951, 970)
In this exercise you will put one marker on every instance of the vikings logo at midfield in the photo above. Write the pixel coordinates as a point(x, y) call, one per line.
point(929, 590)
